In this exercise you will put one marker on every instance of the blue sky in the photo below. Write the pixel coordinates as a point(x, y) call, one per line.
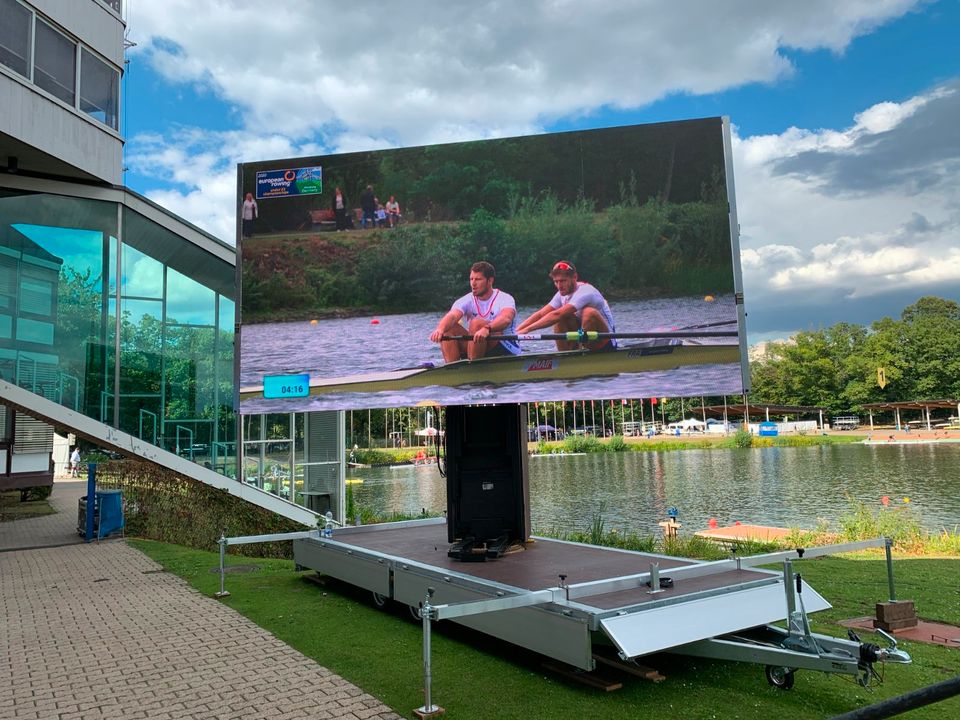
point(846, 140)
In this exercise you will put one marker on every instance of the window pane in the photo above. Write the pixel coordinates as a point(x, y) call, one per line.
point(189, 302)
point(99, 88)
point(15, 37)
point(141, 275)
point(52, 257)
point(55, 63)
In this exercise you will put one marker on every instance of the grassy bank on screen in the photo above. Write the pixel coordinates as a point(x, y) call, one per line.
point(477, 678)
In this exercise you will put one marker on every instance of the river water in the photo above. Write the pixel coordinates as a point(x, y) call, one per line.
point(350, 346)
point(783, 487)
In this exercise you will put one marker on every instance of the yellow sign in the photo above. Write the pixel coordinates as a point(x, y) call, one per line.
point(881, 378)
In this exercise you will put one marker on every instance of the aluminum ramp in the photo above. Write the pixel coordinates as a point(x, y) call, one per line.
point(666, 627)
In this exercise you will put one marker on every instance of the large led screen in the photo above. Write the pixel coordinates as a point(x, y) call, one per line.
point(581, 265)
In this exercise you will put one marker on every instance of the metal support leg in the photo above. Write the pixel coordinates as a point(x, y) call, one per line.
point(429, 710)
point(788, 589)
point(654, 579)
point(222, 542)
point(888, 546)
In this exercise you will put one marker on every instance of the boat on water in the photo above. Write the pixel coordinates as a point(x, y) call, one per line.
point(528, 367)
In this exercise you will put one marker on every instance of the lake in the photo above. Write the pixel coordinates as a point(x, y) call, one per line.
point(784, 487)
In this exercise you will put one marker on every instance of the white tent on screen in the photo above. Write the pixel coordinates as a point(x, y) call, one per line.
point(687, 425)
point(429, 432)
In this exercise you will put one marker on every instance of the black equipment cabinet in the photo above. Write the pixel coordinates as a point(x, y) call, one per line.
point(488, 495)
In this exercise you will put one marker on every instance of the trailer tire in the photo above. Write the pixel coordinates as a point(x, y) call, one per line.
point(779, 676)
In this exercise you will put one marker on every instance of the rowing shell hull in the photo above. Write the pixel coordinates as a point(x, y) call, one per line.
point(524, 368)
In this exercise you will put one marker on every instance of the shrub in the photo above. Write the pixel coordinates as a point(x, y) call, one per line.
point(617, 444)
point(39, 492)
point(582, 444)
point(897, 523)
point(161, 505)
point(743, 439)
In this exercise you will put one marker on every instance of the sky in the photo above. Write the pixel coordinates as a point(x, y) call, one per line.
point(846, 140)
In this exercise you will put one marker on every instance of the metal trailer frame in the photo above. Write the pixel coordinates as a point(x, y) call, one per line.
point(680, 608)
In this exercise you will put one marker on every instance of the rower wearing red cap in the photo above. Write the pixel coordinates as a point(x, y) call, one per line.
point(576, 306)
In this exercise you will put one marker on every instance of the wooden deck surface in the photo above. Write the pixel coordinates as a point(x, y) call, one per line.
point(539, 563)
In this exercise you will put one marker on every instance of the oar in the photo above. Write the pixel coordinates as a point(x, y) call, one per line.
point(591, 335)
point(706, 325)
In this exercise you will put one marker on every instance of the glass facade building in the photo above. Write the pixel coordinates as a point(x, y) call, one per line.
point(114, 308)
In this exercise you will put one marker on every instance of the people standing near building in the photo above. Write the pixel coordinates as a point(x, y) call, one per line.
point(368, 205)
point(340, 208)
point(249, 213)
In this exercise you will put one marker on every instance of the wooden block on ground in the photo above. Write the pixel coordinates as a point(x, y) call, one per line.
point(635, 669)
point(429, 715)
point(590, 679)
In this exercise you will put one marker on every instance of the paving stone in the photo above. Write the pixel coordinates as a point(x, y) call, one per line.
point(88, 631)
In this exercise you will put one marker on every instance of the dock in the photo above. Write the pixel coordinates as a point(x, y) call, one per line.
point(744, 533)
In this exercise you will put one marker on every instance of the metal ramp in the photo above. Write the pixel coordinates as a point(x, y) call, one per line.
point(108, 437)
point(666, 627)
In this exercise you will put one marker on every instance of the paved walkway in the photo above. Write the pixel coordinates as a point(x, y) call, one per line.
point(100, 631)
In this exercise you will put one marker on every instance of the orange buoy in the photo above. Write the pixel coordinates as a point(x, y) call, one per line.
point(708, 298)
point(374, 322)
point(313, 322)
point(737, 522)
point(885, 500)
point(712, 523)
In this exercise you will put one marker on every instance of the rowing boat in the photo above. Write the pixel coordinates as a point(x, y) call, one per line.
point(527, 367)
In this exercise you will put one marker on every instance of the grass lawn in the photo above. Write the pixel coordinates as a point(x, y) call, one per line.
point(12, 509)
point(475, 677)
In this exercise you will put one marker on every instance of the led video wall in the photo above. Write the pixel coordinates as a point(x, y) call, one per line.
point(596, 264)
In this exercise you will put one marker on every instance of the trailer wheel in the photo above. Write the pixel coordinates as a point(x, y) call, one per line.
point(779, 676)
point(380, 601)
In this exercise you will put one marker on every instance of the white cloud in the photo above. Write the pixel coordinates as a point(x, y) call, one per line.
point(411, 73)
point(813, 221)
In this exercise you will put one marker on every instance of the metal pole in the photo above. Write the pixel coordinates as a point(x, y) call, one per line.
point(429, 710)
point(223, 552)
point(91, 500)
point(888, 546)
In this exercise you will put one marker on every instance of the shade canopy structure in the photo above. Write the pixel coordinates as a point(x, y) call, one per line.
point(921, 406)
point(428, 432)
point(761, 410)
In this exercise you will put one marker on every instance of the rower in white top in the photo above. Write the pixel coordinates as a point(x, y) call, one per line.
point(463, 333)
point(576, 307)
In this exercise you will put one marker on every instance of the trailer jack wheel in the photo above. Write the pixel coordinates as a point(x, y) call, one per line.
point(779, 676)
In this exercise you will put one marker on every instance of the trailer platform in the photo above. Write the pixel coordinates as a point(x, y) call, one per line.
point(566, 597)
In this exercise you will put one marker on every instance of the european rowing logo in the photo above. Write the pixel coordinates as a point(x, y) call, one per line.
point(540, 364)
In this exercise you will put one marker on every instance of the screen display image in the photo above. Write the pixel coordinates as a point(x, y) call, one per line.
point(595, 264)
